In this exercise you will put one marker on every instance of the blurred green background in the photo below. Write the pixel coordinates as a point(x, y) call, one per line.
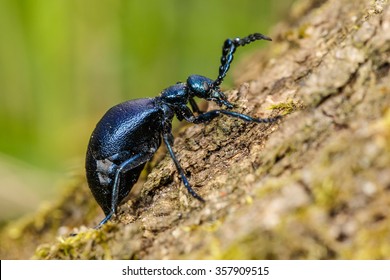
point(63, 63)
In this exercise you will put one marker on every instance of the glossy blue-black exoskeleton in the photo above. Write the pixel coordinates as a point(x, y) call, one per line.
point(130, 133)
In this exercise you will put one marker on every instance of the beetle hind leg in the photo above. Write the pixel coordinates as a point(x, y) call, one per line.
point(105, 220)
point(125, 166)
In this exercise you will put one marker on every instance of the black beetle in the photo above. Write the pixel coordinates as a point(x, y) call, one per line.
point(130, 133)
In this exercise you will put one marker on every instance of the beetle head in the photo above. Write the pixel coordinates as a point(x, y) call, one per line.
point(204, 88)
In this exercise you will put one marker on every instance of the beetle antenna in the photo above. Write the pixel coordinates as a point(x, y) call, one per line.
point(228, 49)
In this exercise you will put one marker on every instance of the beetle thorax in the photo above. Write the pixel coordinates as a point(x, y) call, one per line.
point(175, 95)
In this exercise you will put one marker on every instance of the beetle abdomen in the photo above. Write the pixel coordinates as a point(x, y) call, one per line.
point(127, 129)
point(103, 191)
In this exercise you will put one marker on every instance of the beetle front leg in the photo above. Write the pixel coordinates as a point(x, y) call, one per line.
point(208, 116)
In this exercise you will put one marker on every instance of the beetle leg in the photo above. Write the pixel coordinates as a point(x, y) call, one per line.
point(208, 116)
point(125, 166)
point(194, 106)
point(168, 140)
point(105, 220)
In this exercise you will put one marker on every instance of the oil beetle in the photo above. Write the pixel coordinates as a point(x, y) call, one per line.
point(130, 133)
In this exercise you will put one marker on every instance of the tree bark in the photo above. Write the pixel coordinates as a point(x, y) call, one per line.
point(315, 185)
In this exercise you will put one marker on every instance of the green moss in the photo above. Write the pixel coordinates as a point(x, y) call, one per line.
point(302, 31)
point(286, 107)
point(326, 192)
point(74, 207)
point(89, 244)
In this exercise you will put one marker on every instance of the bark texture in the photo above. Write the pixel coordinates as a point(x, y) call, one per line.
point(316, 185)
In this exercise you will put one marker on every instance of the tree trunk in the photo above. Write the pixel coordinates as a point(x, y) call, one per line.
point(315, 185)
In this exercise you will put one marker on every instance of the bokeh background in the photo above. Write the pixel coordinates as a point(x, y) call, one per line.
point(63, 63)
